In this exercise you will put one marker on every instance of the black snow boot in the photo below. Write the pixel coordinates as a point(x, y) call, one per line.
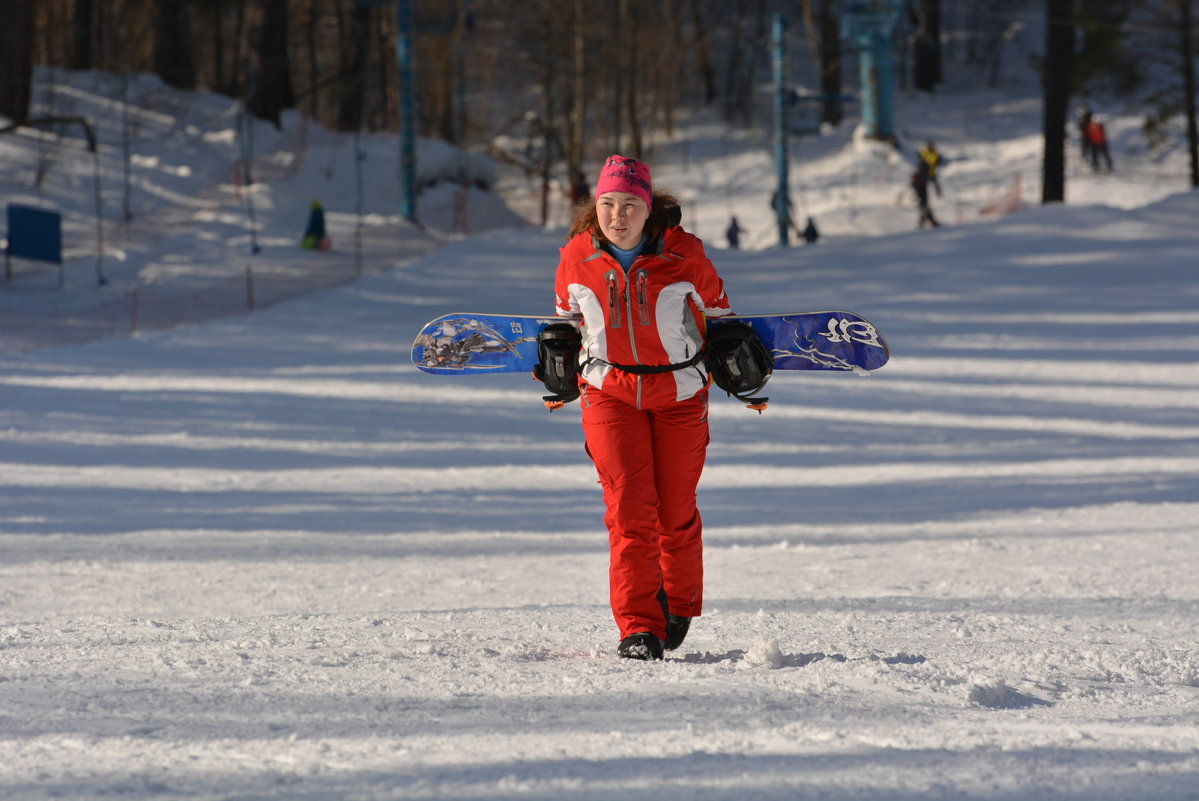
point(676, 631)
point(676, 627)
point(642, 645)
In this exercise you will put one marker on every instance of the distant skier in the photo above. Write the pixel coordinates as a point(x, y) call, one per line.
point(734, 233)
point(315, 237)
point(932, 157)
point(1084, 137)
point(810, 234)
point(920, 188)
point(1097, 140)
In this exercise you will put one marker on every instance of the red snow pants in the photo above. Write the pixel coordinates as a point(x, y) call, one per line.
point(649, 463)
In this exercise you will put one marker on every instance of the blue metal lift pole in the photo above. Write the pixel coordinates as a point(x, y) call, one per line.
point(781, 107)
point(871, 26)
point(407, 103)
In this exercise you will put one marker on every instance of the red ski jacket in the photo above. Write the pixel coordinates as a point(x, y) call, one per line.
point(653, 316)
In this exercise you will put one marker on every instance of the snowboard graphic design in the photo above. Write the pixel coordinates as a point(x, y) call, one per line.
point(829, 340)
point(459, 344)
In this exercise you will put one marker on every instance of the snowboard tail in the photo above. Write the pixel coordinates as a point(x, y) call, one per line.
point(831, 340)
point(458, 344)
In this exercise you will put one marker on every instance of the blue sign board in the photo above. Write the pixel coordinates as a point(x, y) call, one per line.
point(34, 233)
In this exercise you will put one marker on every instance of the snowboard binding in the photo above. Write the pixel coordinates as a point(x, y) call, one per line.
point(558, 347)
point(739, 363)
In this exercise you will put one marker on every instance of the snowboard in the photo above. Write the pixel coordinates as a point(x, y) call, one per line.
point(458, 344)
point(827, 340)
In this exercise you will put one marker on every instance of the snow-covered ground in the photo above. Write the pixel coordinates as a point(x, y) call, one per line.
point(261, 556)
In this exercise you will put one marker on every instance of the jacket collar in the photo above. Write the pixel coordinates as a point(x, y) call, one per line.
point(654, 247)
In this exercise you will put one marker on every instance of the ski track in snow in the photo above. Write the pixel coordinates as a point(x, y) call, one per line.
point(264, 558)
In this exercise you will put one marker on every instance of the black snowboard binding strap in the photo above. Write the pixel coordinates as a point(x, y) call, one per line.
point(739, 363)
point(653, 369)
point(558, 347)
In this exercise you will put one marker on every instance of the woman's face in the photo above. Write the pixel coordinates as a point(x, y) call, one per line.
point(622, 218)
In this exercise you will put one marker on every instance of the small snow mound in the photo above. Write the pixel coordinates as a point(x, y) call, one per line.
point(995, 694)
point(766, 652)
point(990, 693)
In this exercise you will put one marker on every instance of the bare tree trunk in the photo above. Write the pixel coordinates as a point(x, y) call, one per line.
point(241, 74)
point(1059, 57)
point(927, 67)
point(634, 122)
point(1186, 34)
point(444, 87)
point(574, 155)
point(230, 68)
point(733, 94)
point(16, 59)
point(173, 61)
point(633, 87)
point(355, 42)
point(824, 37)
point(669, 71)
point(383, 114)
point(620, 53)
point(547, 149)
point(703, 52)
point(272, 89)
point(216, 29)
point(313, 61)
point(744, 61)
point(83, 32)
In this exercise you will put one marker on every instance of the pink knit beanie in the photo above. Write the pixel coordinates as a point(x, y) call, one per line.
point(621, 174)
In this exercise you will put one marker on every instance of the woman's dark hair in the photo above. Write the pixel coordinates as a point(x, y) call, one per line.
point(663, 214)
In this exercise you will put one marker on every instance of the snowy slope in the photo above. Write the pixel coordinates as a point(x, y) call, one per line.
point(261, 557)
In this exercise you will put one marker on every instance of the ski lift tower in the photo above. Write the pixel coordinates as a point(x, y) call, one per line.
point(782, 118)
point(870, 24)
point(405, 50)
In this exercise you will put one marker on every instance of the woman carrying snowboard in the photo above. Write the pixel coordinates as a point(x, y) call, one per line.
point(640, 289)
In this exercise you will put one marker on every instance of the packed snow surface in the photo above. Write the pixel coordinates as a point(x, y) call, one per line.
point(262, 557)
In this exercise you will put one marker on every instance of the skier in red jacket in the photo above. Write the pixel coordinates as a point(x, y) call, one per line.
point(641, 289)
point(1096, 134)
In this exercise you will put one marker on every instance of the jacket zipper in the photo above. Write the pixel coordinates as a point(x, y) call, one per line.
point(643, 307)
point(613, 300)
point(628, 298)
point(643, 295)
point(614, 304)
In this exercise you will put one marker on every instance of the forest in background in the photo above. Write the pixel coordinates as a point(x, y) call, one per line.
point(574, 78)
